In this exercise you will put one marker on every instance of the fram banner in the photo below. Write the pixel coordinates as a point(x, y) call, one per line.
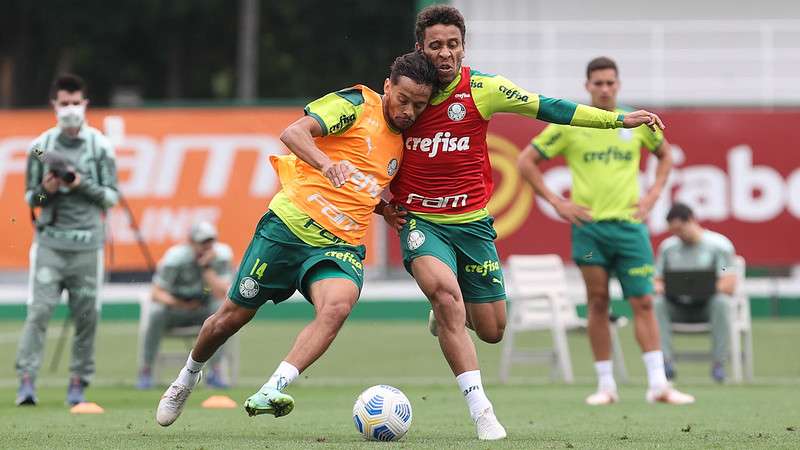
point(738, 169)
point(175, 166)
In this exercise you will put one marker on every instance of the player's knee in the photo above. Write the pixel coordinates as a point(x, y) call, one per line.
point(445, 299)
point(449, 312)
point(335, 313)
point(598, 305)
point(220, 326)
point(642, 305)
point(86, 318)
point(39, 316)
point(491, 335)
point(158, 315)
point(446, 305)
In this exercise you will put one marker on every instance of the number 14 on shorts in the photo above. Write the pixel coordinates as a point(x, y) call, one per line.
point(258, 270)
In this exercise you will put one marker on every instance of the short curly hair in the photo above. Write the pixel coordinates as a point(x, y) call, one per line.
point(435, 15)
point(416, 67)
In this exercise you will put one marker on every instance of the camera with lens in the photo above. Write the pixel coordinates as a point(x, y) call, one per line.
point(60, 167)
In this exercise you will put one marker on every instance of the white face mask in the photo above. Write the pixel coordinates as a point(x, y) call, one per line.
point(71, 116)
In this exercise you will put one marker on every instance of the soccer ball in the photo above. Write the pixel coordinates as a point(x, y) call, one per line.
point(382, 413)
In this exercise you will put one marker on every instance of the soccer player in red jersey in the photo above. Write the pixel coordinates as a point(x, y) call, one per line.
point(444, 184)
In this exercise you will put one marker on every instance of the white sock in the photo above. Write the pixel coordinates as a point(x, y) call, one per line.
point(605, 376)
point(283, 376)
point(654, 363)
point(472, 388)
point(191, 372)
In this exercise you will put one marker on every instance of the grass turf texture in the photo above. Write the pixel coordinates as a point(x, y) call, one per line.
point(536, 415)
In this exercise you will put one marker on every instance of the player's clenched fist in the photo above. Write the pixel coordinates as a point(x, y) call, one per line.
point(642, 117)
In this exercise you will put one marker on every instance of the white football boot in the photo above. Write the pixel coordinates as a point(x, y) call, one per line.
point(668, 395)
point(432, 325)
point(173, 401)
point(489, 428)
point(602, 397)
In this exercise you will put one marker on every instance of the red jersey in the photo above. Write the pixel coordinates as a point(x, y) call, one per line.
point(446, 166)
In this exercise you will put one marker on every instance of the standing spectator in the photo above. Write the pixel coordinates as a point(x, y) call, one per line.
point(71, 176)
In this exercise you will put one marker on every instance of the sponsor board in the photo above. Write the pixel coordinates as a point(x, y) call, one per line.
point(176, 166)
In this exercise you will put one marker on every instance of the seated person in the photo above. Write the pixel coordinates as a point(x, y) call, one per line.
point(191, 279)
point(691, 248)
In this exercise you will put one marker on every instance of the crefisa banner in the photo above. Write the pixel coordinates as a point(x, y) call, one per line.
point(737, 169)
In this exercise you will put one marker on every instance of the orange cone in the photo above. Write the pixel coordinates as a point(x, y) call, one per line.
point(219, 402)
point(87, 408)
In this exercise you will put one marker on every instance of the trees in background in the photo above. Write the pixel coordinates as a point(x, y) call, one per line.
point(187, 49)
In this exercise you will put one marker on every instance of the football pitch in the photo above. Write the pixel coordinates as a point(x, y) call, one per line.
point(536, 414)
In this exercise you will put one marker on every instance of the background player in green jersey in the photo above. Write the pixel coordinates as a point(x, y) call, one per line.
point(606, 211)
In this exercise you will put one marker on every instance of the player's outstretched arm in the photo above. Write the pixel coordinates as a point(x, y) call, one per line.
point(299, 139)
point(500, 94)
point(528, 163)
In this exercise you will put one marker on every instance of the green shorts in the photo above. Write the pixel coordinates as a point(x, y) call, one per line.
point(622, 248)
point(277, 263)
point(467, 248)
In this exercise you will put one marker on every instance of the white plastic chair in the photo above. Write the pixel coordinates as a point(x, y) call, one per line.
point(740, 329)
point(230, 361)
point(538, 294)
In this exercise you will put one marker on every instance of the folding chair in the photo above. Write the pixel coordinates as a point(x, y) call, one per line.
point(538, 294)
point(230, 361)
point(740, 328)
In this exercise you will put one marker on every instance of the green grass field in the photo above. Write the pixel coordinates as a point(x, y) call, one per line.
point(536, 414)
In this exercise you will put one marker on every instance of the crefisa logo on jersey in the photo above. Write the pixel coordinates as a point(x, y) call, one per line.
point(392, 168)
point(456, 111)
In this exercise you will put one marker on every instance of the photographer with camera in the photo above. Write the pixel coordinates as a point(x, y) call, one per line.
point(71, 177)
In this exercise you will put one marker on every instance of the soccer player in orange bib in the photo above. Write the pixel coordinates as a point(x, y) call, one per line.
point(346, 149)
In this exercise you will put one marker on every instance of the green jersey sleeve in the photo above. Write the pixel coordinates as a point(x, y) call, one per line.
point(552, 141)
point(495, 93)
point(725, 255)
point(102, 191)
point(35, 194)
point(337, 111)
point(499, 94)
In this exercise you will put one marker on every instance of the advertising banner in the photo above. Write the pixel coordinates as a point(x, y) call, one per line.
point(176, 166)
point(737, 168)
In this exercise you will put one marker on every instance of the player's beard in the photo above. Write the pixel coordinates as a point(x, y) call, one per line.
point(391, 120)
